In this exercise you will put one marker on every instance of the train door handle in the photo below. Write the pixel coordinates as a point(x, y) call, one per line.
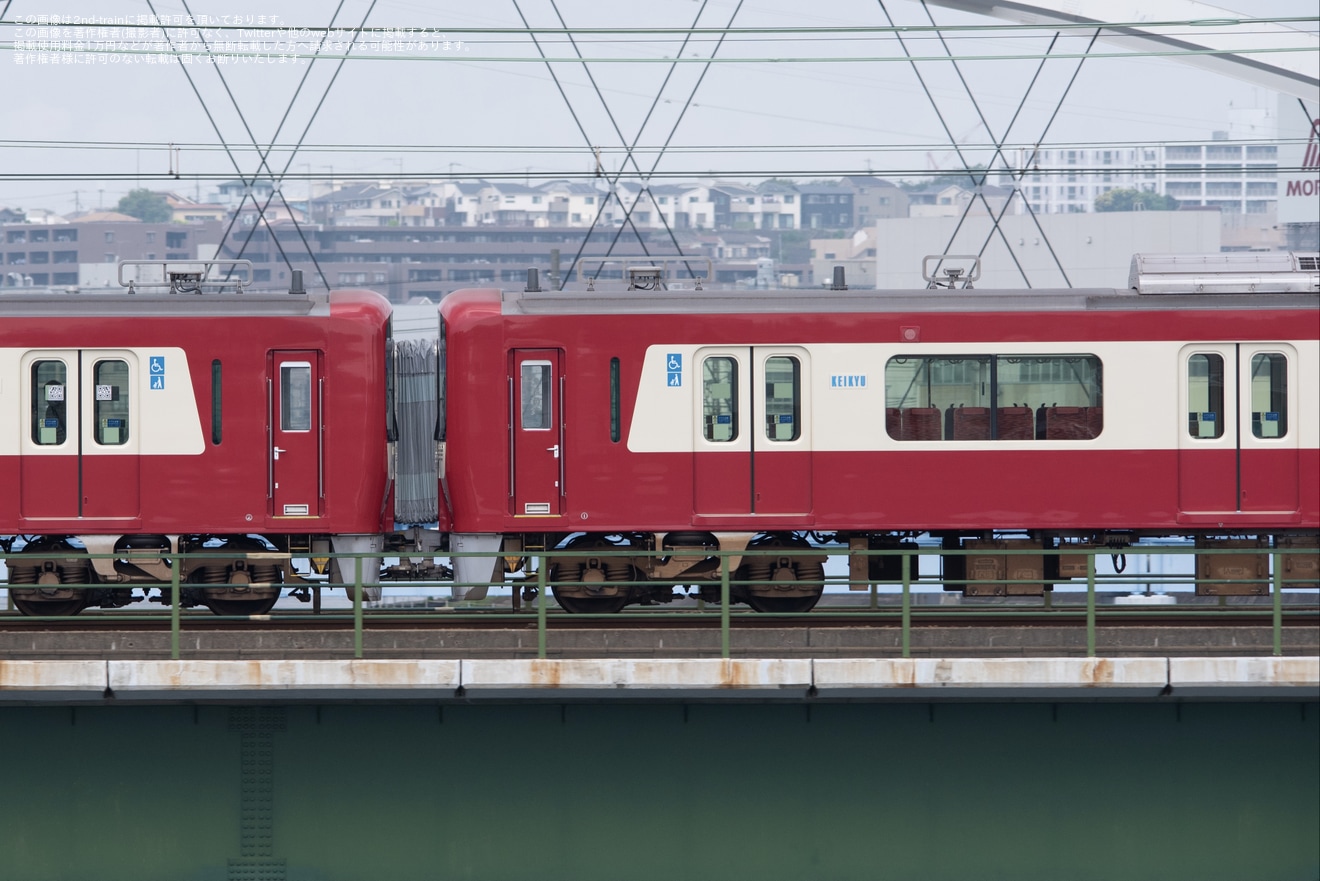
point(554, 449)
point(277, 451)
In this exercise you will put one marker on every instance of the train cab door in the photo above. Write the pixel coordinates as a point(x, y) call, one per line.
point(295, 472)
point(80, 447)
point(1237, 450)
point(536, 433)
point(752, 449)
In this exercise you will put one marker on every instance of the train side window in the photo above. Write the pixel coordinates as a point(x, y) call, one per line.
point(537, 387)
point(783, 399)
point(110, 410)
point(994, 397)
point(49, 416)
point(615, 428)
point(946, 398)
point(216, 388)
point(1049, 397)
point(1205, 396)
point(296, 396)
point(719, 399)
point(1269, 395)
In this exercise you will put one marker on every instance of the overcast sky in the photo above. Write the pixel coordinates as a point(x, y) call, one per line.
point(439, 108)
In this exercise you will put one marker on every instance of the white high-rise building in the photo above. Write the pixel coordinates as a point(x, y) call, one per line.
point(1235, 171)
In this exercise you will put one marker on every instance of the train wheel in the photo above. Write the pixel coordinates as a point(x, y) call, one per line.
point(242, 608)
point(63, 608)
point(35, 587)
point(787, 583)
point(783, 604)
point(242, 586)
point(579, 605)
point(583, 584)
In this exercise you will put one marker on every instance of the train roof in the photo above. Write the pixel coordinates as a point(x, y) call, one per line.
point(1244, 281)
point(63, 304)
point(829, 301)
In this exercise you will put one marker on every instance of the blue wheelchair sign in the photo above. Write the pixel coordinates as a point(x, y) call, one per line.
point(674, 370)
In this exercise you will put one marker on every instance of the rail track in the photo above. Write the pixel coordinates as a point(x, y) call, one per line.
point(926, 631)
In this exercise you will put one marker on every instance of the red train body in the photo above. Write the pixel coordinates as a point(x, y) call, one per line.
point(149, 423)
point(659, 426)
point(693, 421)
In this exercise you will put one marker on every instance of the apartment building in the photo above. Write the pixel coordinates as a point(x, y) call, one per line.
point(86, 251)
point(1235, 178)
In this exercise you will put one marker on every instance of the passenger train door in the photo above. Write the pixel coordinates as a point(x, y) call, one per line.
point(295, 394)
point(80, 442)
point(752, 444)
point(536, 433)
point(1238, 448)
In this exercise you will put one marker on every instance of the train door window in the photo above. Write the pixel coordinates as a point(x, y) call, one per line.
point(719, 397)
point(296, 396)
point(537, 387)
point(783, 401)
point(110, 407)
point(1205, 395)
point(49, 413)
point(1269, 395)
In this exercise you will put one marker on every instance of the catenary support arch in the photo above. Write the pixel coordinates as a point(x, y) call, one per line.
point(1291, 73)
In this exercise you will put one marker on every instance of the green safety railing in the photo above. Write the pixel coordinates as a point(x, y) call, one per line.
point(907, 612)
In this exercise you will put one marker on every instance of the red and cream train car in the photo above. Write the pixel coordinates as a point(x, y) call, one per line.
point(690, 421)
point(141, 424)
point(672, 425)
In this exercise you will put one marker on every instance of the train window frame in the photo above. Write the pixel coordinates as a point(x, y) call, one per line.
point(217, 407)
point(49, 402)
point(1213, 395)
point(719, 393)
point(390, 360)
point(299, 420)
point(987, 397)
point(615, 419)
point(536, 397)
point(1271, 424)
point(111, 404)
point(441, 382)
point(783, 406)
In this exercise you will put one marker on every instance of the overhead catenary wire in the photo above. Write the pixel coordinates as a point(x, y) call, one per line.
point(606, 150)
point(1197, 26)
point(629, 39)
point(645, 178)
point(306, 129)
point(683, 175)
point(456, 58)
